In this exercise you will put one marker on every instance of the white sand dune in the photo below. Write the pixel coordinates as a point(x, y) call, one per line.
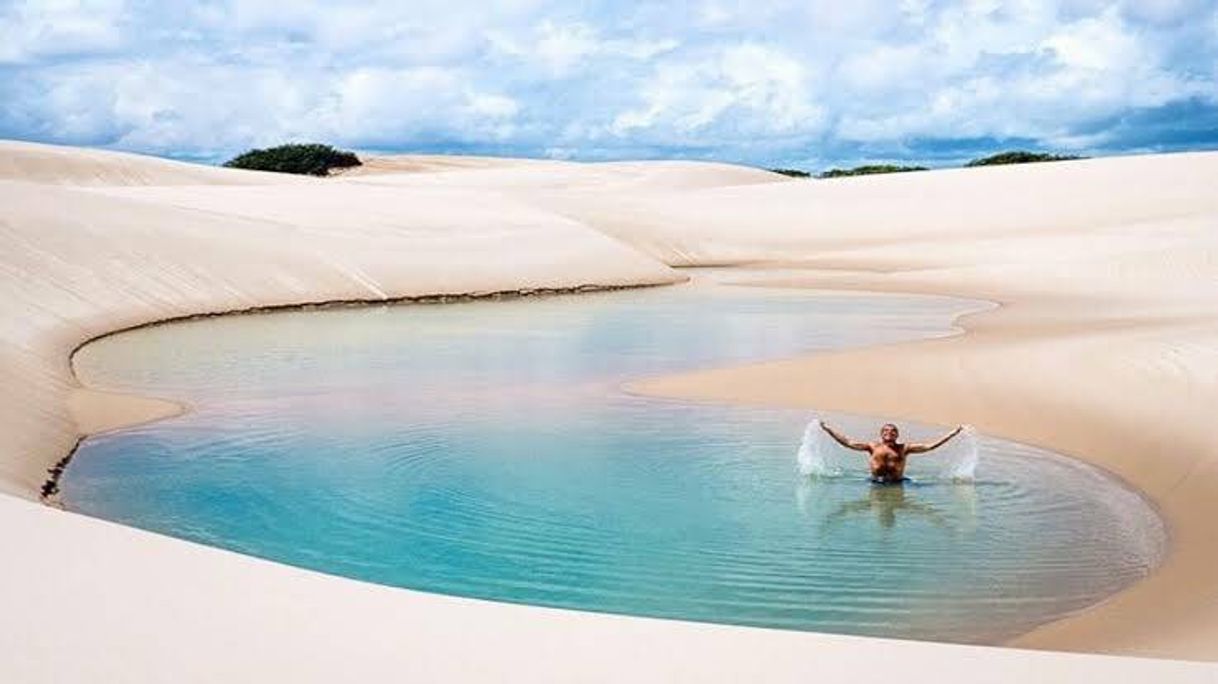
point(400, 164)
point(80, 262)
point(1104, 349)
point(37, 163)
point(606, 180)
point(913, 216)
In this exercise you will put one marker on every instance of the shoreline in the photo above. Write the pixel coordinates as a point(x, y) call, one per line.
point(645, 387)
point(97, 412)
point(655, 388)
point(788, 384)
point(323, 304)
point(92, 418)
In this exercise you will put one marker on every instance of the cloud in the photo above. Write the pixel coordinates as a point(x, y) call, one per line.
point(376, 107)
point(749, 88)
point(48, 29)
point(560, 48)
point(1010, 76)
point(158, 107)
point(775, 81)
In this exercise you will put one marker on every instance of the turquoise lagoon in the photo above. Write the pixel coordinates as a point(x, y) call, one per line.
point(485, 449)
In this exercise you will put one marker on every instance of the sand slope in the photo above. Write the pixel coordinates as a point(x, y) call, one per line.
point(1105, 349)
point(397, 164)
point(82, 261)
point(533, 179)
point(37, 163)
point(919, 219)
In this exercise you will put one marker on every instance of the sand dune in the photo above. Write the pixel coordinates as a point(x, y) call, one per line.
point(38, 163)
point(1104, 349)
point(942, 211)
point(82, 261)
point(380, 164)
point(607, 180)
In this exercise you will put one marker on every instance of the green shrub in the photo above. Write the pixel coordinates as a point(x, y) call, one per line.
point(794, 173)
point(310, 159)
point(868, 170)
point(1019, 157)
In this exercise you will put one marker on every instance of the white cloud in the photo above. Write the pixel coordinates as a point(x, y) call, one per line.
point(1163, 12)
point(561, 48)
point(763, 79)
point(750, 87)
point(494, 106)
point(1001, 74)
point(378, 107)
point(158, 108)
point(35, 29)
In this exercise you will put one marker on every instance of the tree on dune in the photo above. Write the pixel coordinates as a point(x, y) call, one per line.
point(311, 159)
point(868, 170)
point(793, 173)
point(1019, 157)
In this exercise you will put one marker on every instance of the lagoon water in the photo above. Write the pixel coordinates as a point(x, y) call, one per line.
point(484, 449)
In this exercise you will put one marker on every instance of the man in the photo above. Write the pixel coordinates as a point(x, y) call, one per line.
point(888, 455)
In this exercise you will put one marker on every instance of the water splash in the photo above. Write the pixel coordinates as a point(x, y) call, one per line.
point(820, 456)
point(955, 461)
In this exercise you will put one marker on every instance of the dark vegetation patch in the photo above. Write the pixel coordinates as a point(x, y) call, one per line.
point(1019, 157)
point(794, 173)
point(312, 159)
point(869, 170)
point(999, 159)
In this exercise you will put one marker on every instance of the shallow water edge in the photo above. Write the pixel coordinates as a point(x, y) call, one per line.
point(772, 458)
point(142, 408)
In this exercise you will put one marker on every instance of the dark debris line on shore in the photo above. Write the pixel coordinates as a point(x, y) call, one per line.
point(49, 493)
point(50, 488)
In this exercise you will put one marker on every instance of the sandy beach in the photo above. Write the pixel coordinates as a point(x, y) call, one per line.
point(1103, 348)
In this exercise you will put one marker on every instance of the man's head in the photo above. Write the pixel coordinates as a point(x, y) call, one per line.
point(889, 433)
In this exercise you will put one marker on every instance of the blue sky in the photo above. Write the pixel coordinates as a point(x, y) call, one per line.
point(767, 82)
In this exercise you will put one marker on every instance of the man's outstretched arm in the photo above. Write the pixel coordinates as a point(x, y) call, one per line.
point(844, 441)
point(923, 448)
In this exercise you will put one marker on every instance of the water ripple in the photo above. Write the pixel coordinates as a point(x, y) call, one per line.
point(497, 462)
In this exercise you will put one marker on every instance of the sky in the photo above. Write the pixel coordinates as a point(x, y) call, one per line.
point(779, 83)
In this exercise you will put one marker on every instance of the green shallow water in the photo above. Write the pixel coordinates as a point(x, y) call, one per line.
point(485, 450)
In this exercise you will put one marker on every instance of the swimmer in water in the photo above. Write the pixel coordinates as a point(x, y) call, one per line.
point(888, 455)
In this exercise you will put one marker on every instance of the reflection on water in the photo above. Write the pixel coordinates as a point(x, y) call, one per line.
point(888, 503)
point(483, 450)
point(883, 501)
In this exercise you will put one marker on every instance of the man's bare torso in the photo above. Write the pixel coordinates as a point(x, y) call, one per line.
point(887, 461)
